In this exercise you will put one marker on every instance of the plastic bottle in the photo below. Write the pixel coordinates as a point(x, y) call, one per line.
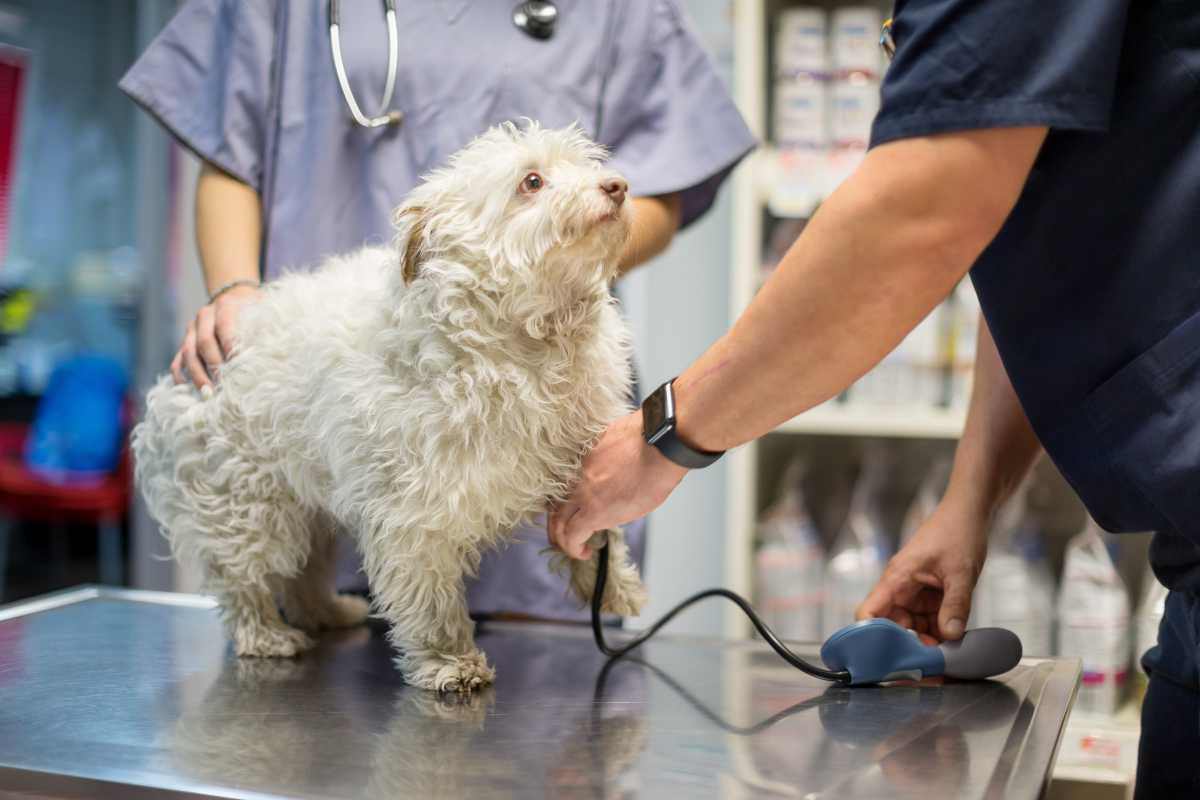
point(1149, 615)
point(1015, 589)
point(929, 494)
point(963, 332)
point(801, 44)
point(790, 562)
point(854, 39)
point(861, 549)
point(1094, 619)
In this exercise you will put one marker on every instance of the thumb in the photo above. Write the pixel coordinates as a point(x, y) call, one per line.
point(956, 605)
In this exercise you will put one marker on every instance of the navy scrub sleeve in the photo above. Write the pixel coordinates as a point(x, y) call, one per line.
point(972, 65)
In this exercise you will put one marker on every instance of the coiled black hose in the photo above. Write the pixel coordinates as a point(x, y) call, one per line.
point(840, 676)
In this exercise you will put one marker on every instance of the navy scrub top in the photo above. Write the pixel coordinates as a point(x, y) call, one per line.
point(1092, 287)
point(249, 85)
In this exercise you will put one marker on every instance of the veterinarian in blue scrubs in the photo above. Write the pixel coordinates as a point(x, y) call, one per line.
point(290, 178)
point(1052, 148)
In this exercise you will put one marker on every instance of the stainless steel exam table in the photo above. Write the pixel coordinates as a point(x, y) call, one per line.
point(128, 694)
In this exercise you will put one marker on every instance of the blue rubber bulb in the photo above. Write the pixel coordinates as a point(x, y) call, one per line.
point(878, 650)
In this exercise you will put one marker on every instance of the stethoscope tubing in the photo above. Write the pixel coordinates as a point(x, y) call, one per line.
point(384, 117)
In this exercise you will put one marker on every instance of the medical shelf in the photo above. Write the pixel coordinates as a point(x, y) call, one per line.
point(756, 190)
point(1095, 753)
point(834, 419)
point(1100, 749)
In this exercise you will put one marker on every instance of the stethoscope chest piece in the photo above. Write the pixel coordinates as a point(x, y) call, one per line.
point(536, 17)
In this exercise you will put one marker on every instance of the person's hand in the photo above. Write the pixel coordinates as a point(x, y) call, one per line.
point(210, 337)
point(927, 585)
point(623, 479)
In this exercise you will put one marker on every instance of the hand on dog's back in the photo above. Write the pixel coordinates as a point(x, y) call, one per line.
point(211, 337)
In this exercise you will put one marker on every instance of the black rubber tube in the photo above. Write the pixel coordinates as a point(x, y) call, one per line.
point(840, 676)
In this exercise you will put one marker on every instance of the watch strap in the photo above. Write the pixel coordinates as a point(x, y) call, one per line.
point(684, 455)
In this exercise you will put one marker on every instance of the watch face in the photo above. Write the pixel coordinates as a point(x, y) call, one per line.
point(656, 415)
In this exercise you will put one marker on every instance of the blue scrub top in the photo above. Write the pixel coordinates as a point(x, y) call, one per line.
point(1092, 287)
point(249, 85)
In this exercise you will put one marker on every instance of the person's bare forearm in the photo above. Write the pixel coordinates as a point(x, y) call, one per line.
point(655, 222)
point(881, 253)
point(998, 444)
point(228, 228)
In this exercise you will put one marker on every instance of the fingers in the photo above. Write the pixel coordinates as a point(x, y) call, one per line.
point(225, 326)
point(956, 606)
point(877, 604)
point(575, 534)
point(192, 365)
point(206, 339)
point(177, 368)
point(569, 531)
point(903, 618)
point(556, 523)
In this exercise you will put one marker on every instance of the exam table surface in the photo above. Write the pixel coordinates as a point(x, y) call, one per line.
point(121, 693)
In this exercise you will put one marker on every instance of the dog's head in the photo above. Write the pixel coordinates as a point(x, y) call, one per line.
point(521, 206)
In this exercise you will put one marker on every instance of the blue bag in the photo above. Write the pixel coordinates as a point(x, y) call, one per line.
point(77, 432)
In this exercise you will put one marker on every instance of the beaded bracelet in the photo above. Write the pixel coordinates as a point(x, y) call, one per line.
point(233, 285)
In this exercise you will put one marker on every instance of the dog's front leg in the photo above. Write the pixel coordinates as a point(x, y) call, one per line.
point(623, 593)
point(417, 581)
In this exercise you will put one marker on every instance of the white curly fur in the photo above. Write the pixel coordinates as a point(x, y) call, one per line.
point(426, 396)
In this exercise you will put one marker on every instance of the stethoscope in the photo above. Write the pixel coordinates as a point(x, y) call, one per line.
point(536, 17)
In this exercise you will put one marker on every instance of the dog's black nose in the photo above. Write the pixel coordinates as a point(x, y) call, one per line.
point(615, 188)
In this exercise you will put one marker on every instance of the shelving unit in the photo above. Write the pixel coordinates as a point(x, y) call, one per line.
point(1096, 752)
point(755, 190)
point(895, 422)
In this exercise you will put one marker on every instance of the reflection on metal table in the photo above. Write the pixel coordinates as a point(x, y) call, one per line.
point(117, 693)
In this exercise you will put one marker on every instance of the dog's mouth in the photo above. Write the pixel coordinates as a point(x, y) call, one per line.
point(614, 214)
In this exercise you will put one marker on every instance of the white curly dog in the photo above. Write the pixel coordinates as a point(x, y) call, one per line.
point(426, 397)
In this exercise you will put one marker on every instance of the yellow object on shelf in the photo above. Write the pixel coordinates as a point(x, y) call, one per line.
point(16, 311)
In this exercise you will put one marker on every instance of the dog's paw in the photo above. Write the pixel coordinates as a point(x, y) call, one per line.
point(326, 612)
point(626, 601)
point(346, 611)
point(446, 673)
point(271, 642)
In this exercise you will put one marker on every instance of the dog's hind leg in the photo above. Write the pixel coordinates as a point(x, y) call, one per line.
point(418, 588)
point(624, 593)
point(254, 545)
point(253, 619)
point(309, 599)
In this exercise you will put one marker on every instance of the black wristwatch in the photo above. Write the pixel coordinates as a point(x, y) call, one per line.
point(658, 427)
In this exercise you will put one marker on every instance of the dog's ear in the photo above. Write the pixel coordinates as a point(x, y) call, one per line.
point(412, 221)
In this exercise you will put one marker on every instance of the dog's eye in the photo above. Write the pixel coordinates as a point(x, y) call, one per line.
point(532, 183)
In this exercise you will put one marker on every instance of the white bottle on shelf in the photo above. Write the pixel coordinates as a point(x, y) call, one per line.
point(854, 39)
point(1149, 616)
point(801, 44)
point(1094, 620)
point(911, 376)
point(789, 564)
point(1015, 589)
point(929, 494)
point(854, 102)
point(963, 333)
point(802, 113)
point(861, 549)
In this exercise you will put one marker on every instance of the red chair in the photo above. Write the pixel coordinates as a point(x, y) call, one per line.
point(26, 497)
